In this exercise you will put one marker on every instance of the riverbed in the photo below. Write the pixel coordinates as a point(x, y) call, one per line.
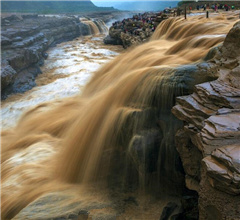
point(67, 69)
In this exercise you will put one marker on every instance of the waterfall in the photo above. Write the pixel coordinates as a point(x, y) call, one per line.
point(96, 26)
point(120, 131)
point(101, 26)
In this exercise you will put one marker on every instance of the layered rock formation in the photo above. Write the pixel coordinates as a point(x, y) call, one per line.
point(24, 40)
point(209, 143)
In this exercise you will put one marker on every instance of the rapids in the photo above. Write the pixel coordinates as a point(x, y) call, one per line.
point(65, 72)
point(98, 139)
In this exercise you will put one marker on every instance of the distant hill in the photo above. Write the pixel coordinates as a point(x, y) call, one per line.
point(48, 7)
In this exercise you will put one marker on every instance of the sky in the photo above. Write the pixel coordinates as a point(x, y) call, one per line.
point(142, 5)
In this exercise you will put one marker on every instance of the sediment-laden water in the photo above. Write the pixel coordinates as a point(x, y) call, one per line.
point(114, 138)
point(67, 69)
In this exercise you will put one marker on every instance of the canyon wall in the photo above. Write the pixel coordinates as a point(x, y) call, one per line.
point(209, 142)
point(24, 40)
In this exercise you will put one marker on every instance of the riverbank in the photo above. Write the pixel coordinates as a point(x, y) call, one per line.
point(26, 37)
point(67, 69)
point(24, 41)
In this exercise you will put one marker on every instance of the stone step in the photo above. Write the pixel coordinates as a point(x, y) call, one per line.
point(28, 41)
point(191, 103)
point(208, 95)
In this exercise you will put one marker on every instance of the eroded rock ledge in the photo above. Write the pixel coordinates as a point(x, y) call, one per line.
point(24, 40)
point(209, 143)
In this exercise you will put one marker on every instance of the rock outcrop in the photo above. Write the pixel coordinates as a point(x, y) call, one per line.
point(209, 143)
point(135, 30)
point(24, 40)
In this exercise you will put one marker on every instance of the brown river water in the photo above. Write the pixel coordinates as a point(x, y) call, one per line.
point(62, 137)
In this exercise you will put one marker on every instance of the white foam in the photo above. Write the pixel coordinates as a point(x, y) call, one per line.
point(74, 62)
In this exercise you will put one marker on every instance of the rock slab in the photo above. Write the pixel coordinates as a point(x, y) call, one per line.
point(209, 143)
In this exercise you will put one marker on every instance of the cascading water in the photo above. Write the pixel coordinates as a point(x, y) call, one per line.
point(119, 132)
point(96, 26)
point(101, 26)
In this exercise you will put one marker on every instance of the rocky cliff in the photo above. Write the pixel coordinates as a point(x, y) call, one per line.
point(209, 142)
point(24, 40)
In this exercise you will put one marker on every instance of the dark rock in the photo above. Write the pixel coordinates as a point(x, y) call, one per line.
point(73, 217)
point(190, 206)
point(41, 62)
point(191, 159)
point(50, 206)
point(83, 212)
point(23, 60)
point(168, 211)
point(132, 200)
point(84, 29)
point(8, 75)
point(234, 77)
point(144, 150)
point(24, 46)
point(113, 41)
point(14, 18)
point(212, 53)
point(83, 215)
point(45, 55)
point(25, 80)
point(5, 41)
point(231, 45)
point(5, 22)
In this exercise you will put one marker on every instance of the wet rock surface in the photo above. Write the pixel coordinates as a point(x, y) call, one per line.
point(24, 40)
point(209, 143)
point(222, 169)
point(68, 207)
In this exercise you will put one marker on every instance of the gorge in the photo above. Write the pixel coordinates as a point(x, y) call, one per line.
point(110, 152)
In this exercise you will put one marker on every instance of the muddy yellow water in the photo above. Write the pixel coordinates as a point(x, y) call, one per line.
point(67, 137)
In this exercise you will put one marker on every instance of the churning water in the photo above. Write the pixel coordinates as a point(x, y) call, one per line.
point(115, 134)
